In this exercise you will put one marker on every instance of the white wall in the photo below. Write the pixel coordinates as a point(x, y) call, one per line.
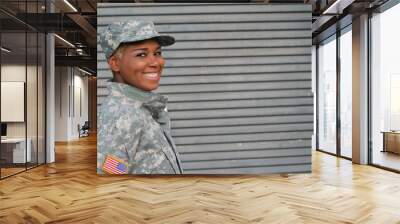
point(12, 73)
point(79, 112)
point(314, 90)
point(61, 103)
point(71, 87)
point(360, 89)
point(50, 93)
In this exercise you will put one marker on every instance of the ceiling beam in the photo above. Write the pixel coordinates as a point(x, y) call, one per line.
point(83, 61)
point(89, 30)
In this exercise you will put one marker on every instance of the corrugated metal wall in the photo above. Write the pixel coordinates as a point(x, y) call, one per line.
point(238, 81)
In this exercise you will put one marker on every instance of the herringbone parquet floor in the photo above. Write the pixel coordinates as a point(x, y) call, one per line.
point(69, 191)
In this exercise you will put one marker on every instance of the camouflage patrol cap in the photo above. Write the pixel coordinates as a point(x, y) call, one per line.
point(128, 32)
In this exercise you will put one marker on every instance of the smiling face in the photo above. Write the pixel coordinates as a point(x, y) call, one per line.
point(139, 64)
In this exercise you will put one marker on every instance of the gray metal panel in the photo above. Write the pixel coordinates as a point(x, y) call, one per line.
point(193, 62)
point(178, 97)
point(109, 9)
point(239, 95)
point(247, 154)
point(213, 96)
point(249, 103)
point(270, 34)
point(250, 77)
point(297, 168)
point(269, 146)
point(169, 54)
point(259, 120)
point(242, 112)
point(243, 26)
point(242, 162)
point(238, 81)
point(243, 43)
point(226, 70)
point(197, 131)
point(222, 87)
point(243, 137)
point(209, 18)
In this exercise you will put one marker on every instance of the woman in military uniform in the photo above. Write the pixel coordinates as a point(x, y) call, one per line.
point(133, 124)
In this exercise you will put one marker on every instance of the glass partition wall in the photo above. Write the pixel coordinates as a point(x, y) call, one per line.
point(345, 93)
point(327, 95)
point(334, 90)
point(22, 89)
point(334, 59)
point(385, 89)
point(13, 88)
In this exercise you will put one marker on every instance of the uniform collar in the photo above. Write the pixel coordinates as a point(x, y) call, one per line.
point(154, 102)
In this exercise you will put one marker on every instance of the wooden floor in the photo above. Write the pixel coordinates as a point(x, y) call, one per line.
point(387, 159)
point(10, 171)
point(5, 172)
point(69, 191)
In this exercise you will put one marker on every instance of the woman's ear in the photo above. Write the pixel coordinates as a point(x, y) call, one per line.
point(113, 61)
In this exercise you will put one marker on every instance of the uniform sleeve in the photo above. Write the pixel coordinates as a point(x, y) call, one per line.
point(119, 134)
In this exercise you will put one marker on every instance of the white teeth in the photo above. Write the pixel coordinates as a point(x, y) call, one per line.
point(152, 75)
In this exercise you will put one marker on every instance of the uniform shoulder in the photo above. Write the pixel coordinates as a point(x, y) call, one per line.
point(117, 110)
point(119, 104)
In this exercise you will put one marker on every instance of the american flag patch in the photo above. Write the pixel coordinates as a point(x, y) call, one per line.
point(114, 165)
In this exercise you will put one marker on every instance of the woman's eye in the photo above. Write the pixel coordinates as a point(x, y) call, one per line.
point(158, 53)
point(141, 55)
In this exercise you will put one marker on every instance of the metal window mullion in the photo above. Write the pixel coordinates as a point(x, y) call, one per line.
point(73, 91)
point(45, 94)
point(37, 90)
point(69, 93)
point(317, 97)
point(369, 100)
point(26, 88)
point(0, 93)
point(338, 73)
point(60, 92)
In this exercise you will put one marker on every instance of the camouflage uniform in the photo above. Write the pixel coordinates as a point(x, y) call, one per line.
point(133, 125)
